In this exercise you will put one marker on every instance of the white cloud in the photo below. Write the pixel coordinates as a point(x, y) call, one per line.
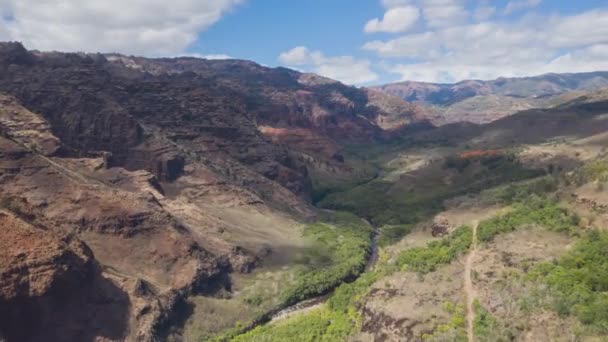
point(148, 27)
point(342, 68)
point(299, 55)
point(208, 56)
point(413, 45)
point(591, 58)
point(444, 13)
point(517, 5)
point(397, 19)
point(217, 56)
point(484, 12)
point(395, 3)
point(486, 50)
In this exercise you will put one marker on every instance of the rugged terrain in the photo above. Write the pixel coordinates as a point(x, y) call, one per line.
point(162, 180)
point(184, 199)
point(488, 233)
point(485, 101)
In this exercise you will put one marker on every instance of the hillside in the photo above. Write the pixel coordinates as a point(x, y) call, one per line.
point(183, 199)
point(175, 175)
point(484, 101)
point(487, 232)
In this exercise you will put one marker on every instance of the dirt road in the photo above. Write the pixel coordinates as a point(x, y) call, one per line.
point(468, 284)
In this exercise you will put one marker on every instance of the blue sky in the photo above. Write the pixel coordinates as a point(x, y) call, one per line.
point(358, 42)
point(263, 29)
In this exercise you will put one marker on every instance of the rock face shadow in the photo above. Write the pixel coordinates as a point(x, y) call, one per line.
point(92, 310)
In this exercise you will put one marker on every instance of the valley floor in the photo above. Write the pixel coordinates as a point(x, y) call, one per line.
point(475, 250)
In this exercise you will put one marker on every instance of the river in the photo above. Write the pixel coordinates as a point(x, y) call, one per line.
point(315, 302)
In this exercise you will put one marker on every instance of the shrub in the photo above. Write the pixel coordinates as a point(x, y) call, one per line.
point(390, 234)
point(596, 170)
point(535, 210)
point(426, 259)
point(340, 250)
point(386, 203)
point(335, 322)
point(578, 281)
point(454, 330)
point(518, 192)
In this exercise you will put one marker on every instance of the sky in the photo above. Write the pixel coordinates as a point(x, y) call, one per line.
point(359, 42)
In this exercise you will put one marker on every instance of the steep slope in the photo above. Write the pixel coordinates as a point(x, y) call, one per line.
point(160, 114)
point(511, 195)
point(137, 244)
point(176, 174)
point(485, 101)
point(52, 288)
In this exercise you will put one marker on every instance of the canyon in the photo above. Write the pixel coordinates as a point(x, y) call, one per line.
point(185, 199)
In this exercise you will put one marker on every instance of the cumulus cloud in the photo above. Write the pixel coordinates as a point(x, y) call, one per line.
point(487, 50)
point(346, 69)
point(444, 13)
point(200, 55)
point(147, 27)
point(217, 56)
point(518, 5)
point(484, 12)
point(395, 3)
point(397, 19)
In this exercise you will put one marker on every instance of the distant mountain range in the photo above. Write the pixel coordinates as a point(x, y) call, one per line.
point(485, 101)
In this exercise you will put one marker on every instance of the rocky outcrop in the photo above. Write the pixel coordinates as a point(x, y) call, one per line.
point(157, 123)
point(280, 98)
point(441, 226)
point(118, 214)
point(26, 127)
point(394, 113)
point(51, 288)
point(136, 224)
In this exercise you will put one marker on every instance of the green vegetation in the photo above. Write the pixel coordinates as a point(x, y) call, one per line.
point(521, 191)
point(345, 296)
point(426, 259)
point(319, 325)
point(487, 328)
point(578, 281)
point(325, 182)
point(413, 200)
point(454, 330)
point(340, 248)
point(596, 170)
point(535, 210)
point(391, 234)
point(334, 322)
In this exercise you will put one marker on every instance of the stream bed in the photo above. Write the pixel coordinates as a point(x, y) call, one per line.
point(315, 302)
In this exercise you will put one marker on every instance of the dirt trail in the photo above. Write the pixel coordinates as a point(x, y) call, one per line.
point(468, 284)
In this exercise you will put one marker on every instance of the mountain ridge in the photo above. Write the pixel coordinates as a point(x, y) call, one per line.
point(175, 173)
point(484, 101)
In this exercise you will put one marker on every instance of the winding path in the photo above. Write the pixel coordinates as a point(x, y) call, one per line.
point(468, 284)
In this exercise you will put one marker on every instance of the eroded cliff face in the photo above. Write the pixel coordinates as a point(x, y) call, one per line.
point(155, 123)
point(305, 113)
point(110, 232)
point(47, 272)
point(124, 182)
point(51, 288)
